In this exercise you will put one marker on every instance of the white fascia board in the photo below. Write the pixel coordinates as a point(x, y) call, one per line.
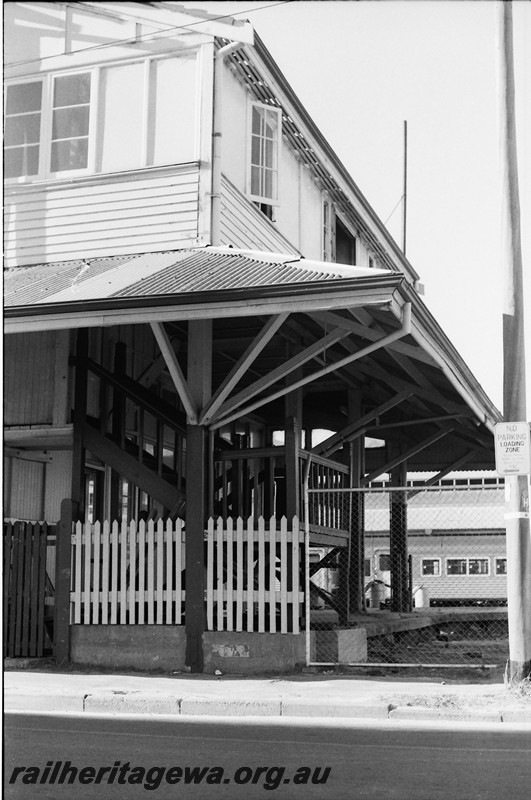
point(85, 318)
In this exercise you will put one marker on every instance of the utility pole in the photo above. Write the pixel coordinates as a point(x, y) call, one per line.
point(514, 390)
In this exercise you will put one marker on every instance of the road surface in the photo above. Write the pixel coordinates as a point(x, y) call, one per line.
point(127, 757)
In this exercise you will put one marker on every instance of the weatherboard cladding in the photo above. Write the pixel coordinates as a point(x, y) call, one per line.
point(167, 273)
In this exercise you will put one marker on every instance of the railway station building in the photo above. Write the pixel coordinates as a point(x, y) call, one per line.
point(204, 317)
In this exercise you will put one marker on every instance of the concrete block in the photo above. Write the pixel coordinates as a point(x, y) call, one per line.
point(516, 714)
point(463, 714)
point(321, 708)
point(339, 646)
point(132, 703)
point(29, 701)
point(227, 708)
point(352, 645)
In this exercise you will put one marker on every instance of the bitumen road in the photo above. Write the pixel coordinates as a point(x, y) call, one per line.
point(115, 757)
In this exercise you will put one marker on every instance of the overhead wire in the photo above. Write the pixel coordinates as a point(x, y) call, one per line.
point(143, 37)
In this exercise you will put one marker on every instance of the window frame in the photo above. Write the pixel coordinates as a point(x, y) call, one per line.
point(45, 173)
point(257, 198)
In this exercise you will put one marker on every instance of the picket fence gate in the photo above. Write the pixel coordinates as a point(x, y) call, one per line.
point(132, 573)
point(27, 590)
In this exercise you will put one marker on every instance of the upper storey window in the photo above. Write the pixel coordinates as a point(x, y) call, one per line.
point(70, 122)
point(22, 129)
point(264, 154)
point(106, 119)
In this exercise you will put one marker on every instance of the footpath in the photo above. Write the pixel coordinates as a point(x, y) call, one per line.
point(317, 695)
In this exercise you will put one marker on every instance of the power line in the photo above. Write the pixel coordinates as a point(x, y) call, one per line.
point(144, 37)
point(394, 209)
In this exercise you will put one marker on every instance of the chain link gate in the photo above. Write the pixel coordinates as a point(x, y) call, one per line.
point(414, 575)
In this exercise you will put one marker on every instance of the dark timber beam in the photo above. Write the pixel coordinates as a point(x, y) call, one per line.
point(199, 380)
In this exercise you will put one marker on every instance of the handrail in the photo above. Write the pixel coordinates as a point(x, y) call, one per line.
point(271, 452)
point(123, 383)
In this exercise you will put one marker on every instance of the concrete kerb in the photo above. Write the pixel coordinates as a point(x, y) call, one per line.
point(105, 694)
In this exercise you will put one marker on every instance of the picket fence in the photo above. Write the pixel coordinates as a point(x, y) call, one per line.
point(133, 574)
point(254, 575)
point(127, 573)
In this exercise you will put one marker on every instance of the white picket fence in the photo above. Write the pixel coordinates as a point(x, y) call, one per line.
point(127, 573)
point(132, 574)
point(254, 578)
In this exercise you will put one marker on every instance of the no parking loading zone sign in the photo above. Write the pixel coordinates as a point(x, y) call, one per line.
point(512, 448)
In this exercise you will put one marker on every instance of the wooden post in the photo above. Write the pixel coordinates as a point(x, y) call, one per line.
point(200, 386)
point(80, 412)
point(118, 430)
point(400, 593)
point(293, 428)
point(356, 574)
point(63, 547)
point(514, 384)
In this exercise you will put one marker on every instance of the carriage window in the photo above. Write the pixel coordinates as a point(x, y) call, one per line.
point(431, 566)
point(501, 566)
point(456, 566)
point(478, 566)
point(367, 567)
point(467, 566)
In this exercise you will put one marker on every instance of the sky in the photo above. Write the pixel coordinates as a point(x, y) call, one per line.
point(363, 68)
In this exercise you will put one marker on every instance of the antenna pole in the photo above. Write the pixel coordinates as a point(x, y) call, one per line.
point(404, 195)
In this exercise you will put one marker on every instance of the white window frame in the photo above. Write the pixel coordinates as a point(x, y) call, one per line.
point(430, 575)
point(467, 573)
point(45, 173)
point(256, 198)
point(45, 143)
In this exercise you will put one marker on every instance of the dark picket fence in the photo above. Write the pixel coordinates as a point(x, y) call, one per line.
point(27, 589)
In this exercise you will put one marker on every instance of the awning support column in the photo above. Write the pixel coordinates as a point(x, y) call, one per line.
point(199, 380)
point(400, 592)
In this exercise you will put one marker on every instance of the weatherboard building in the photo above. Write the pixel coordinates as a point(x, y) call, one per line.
point(194, 286)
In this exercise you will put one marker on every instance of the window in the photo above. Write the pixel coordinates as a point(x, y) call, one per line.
point(478, 566)
point(264, 153)
point(22, 133)
point(367, 567)
point(345, 245)
point(467, 566)
point(431, 566)
point(106, 119)
point(70, 122)
point(384, 562)
point(456, 566)
point(501, 566)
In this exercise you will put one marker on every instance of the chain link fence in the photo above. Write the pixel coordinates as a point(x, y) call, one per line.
point(412, 576)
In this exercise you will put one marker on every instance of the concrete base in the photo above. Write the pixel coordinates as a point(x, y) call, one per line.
point(139, 647)
point(248, 653)
point(161, 647)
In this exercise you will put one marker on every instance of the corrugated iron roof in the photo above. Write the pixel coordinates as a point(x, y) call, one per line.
point(167, 273)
